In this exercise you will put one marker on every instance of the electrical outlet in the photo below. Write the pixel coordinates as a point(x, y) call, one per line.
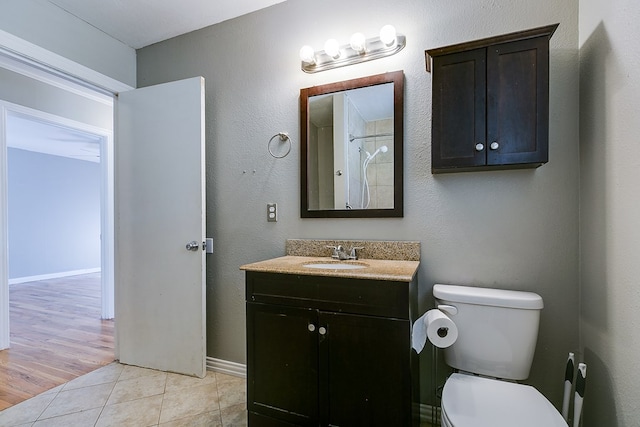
point(272, 212)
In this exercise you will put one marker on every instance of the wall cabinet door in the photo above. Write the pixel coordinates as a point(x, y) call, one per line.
point(491, 102)
point(518, 103)
point(459, 101)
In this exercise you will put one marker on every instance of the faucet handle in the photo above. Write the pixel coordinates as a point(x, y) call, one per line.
point(336, 249)
point(354, 253)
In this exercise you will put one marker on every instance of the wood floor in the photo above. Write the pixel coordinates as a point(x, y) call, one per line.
point(56, 336)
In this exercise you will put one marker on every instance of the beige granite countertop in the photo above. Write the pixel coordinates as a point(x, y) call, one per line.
point(374, 269)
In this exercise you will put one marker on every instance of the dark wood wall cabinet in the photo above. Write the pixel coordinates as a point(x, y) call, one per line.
point(330, 351)
point(491, 102)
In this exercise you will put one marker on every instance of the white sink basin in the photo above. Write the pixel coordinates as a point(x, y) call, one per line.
point(335, 265)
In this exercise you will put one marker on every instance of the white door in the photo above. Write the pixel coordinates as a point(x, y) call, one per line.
point(160, 208)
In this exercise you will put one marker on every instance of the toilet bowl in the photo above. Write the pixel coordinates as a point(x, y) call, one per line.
point(497, 333)
point(471, 401)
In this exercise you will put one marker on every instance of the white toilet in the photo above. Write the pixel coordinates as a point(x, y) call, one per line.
point(497, 333)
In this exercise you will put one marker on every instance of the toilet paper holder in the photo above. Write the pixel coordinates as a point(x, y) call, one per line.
point(451, 310)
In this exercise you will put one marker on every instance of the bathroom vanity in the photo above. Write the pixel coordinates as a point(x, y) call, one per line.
point(331, 346)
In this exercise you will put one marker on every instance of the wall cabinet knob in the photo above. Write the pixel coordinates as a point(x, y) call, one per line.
point(479, 146)
point(311, 327)
point(494, 145)
point(322, 330)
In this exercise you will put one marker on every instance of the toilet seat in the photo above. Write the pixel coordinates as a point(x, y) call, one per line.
point(481, 402)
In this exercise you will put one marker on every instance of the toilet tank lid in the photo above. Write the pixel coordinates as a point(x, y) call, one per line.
point(488, 296)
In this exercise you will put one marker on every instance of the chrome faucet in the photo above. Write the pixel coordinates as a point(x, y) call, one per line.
point(339, 252)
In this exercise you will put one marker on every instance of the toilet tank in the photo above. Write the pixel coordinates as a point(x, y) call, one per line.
point(497, 330)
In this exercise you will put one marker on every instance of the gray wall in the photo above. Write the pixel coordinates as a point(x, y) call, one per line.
point(50, 27)
point(509, 229)
point(610, 210)
point(54, 214)
point(28, 92)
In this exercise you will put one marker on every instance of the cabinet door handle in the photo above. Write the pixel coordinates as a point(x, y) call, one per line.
point(479, 146)
point(322, 330)
point(311, 327)
point(494, 145)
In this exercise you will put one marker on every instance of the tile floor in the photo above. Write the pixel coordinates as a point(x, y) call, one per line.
point(121, 395)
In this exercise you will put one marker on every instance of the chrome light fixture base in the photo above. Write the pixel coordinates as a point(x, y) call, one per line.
point(375, 49)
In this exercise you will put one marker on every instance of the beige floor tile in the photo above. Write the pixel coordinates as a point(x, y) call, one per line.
point(55, 390)
point(123, 396)
point(135, 413)
point(130, 372)
point(179, 382)
point(232, 392)
point(208, 419)
point(138, 388)
point(234, 416)
point(84, 418)
point(77, 400)
point(189, 402)
point(27, 411)
point(222, 379)
point(104, 375)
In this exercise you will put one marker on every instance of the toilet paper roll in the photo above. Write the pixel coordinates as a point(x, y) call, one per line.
point(435, 326)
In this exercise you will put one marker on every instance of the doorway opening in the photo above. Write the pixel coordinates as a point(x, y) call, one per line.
point(57, 237)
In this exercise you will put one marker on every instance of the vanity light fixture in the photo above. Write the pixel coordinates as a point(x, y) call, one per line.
point(332, 48)
point(359, 49)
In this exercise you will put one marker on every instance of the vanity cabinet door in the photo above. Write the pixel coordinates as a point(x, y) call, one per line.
point(328, 351)
point(365, 376)
point(282, 365)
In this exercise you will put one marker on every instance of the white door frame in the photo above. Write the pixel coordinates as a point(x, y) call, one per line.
point(106, 209)
point(28, 59)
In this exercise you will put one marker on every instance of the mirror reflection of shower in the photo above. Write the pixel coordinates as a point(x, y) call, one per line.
point(370, 166)
point(365, 181)
point(348, 168)
point(368, 126)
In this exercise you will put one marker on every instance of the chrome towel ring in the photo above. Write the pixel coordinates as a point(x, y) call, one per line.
point(283, 138)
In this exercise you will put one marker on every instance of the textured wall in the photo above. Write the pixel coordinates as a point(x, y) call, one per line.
point(511, 229)
point(609, 209)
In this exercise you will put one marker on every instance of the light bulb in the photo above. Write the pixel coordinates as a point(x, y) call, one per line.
point(388, 35)
point(332, 48)
point(358, 42)
point(307, 54)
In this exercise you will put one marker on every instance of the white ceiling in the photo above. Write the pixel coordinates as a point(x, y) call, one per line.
point(29, 134)
point(139, 23)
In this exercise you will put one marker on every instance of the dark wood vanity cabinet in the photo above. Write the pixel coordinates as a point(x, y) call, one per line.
point(325, 351)
point(491, 102)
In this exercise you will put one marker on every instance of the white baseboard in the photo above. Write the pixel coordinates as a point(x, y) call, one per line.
point(26, 279)
point(226, 367)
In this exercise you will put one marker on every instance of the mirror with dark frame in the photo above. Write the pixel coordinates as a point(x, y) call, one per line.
point(351, 148)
